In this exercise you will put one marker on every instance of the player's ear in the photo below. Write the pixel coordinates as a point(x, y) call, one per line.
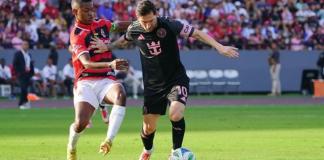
point(75, 11)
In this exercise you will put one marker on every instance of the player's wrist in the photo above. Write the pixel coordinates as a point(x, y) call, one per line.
point(109, 65)
point(111, 46)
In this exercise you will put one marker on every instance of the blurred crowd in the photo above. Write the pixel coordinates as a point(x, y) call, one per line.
point(247, 24)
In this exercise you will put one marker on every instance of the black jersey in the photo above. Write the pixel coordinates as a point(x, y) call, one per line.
point(159, 53)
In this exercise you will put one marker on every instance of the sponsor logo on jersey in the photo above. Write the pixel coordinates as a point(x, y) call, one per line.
point(154, 48)
point(75, 48)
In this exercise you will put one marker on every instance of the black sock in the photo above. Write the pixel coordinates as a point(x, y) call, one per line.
point(147, 140)
point(178, 130)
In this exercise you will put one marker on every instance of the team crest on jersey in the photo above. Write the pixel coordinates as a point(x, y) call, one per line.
point(161, 32)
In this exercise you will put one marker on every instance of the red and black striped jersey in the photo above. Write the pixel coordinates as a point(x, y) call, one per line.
point(80, 38)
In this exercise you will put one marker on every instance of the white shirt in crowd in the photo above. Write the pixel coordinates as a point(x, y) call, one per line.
point(37, 74)
point(5, 72)
point(49, 72)
point(68, 71)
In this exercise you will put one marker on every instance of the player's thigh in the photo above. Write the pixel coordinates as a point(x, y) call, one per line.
point(84, 92)
point(178, 99)
point(115, 94)
point(155, 104)
point(150, 122)
point(83, 112)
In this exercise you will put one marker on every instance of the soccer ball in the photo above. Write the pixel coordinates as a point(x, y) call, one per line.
point(182, 154)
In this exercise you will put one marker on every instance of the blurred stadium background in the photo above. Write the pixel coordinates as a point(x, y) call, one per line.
point(230, 114)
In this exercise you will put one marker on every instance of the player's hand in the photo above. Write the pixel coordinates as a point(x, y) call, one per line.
point(98, 45)
point(229, 51)
point(119, 64)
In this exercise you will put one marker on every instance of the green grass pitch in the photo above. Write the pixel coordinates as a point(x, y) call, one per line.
point(213, 133)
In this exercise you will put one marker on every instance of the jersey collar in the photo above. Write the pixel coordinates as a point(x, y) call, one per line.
point(82, 26)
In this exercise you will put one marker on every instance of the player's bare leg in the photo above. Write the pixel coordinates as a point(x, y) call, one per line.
point(147, 135)
point(83, 113)
point(176, 116)
point(117, 97)
point(104, 113)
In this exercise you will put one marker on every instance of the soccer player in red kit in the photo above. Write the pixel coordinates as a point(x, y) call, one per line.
point(94, 75)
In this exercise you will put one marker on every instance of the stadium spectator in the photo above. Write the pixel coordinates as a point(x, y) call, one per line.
point(280, 14)
point(287, 16)
point(106, 11)
point(165, 79)
point(49, 73)
point(320, 65)
point(31, 30)
point(24, 70)
point(53, 55)
point(37, 82)
point(68, 78)
point(16, 42)
point(296, 43)
point(45, 37)
point(63, 37)
point(60, 22)
point(275, 67)
point(5, 73)
point(50, 11)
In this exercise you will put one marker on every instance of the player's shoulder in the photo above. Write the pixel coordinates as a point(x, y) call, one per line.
point(168, 22)
point(77, 34)
point(165, 19)
point(101, 21)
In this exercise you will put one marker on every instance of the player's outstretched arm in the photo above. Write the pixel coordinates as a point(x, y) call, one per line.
point(228, 51)
point(99, 46)
point(120, 26)
point(117, 64)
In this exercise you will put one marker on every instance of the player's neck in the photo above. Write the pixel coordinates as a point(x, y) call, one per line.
point(82, 25)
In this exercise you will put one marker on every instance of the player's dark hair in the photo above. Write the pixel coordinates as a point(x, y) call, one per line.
point(76, 3)
point(145, 7)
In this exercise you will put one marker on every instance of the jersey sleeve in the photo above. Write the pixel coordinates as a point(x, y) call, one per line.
point(78, 46)
point(184, 30)
point(108, 24)
point(128, 34)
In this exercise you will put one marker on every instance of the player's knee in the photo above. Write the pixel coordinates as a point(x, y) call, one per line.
point(148, 129)
point(176, 116)
point(80, 125)
point(120, 96)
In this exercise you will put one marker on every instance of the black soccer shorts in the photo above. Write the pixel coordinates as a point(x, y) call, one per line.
point(157, 104)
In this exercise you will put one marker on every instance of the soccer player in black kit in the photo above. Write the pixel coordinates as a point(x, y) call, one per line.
point(165, 79)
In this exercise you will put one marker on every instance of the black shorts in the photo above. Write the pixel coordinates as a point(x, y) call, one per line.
point(157, 104)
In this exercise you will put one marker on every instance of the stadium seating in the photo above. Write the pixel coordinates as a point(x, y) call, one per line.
point(232, 83)
point(5, 90)
point(217, 79)
point(214, 81)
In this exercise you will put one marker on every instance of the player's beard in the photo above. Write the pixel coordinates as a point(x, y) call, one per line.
point(152, 27)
